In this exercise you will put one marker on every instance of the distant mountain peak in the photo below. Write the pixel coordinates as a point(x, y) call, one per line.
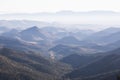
point(33, 28)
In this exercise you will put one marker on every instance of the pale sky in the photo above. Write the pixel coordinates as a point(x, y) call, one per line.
point(32, 6)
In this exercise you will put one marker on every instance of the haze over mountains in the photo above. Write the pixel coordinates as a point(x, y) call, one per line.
point(41, 50)
point(59, 40)
point(68, 17)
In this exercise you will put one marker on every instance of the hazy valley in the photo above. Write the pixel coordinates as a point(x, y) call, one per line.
point(44, 51)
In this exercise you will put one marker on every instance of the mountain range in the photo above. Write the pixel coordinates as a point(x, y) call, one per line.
point(90, 17)
point(54, 53)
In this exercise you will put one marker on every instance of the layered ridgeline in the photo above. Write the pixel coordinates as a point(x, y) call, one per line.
point(52, 53)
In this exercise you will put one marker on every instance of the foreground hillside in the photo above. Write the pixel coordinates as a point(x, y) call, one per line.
point(17, 65)
point(104, 68)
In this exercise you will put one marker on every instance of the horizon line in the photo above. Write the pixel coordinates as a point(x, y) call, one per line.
point(61, 11)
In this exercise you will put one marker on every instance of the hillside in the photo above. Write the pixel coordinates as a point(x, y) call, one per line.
point(107, 64)
point(17, 65)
